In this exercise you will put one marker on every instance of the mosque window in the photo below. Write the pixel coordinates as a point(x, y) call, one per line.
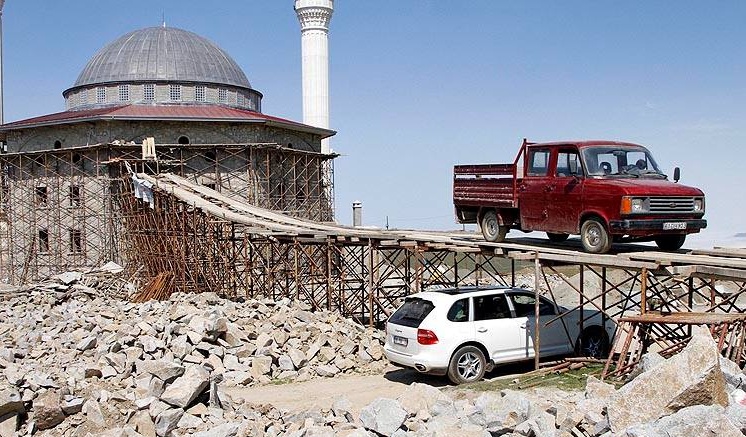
point(222, 95)
point(58, 144)
point(199, 93)
point(124, 93)
point(74, 195)
point(148, 92)
point(43, 240)
point(241, 100)
point(100, 95)
point(83, 97)
point(41, 195)
point(183, 140)
point(76, 241)
point(175, 93)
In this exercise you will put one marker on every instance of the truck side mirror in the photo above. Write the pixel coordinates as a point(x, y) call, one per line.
point(676, 174)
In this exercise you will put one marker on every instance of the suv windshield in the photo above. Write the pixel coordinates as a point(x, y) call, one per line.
point(620, 161)
point(412, 313)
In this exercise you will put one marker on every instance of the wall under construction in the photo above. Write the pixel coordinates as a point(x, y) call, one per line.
point(58, 204)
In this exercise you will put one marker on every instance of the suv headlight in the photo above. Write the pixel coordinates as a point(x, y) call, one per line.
point(699, 204)
point(635, 205)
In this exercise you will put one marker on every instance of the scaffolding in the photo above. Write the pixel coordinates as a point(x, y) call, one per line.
point(59, 207)
point(205, 241)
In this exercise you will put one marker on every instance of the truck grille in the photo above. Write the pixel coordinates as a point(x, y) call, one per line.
point(671, 204)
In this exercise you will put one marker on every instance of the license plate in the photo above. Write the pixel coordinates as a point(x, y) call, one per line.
point(674, 225)
point(401, 341)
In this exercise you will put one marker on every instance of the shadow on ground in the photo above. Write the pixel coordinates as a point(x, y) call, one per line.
point(409, 376)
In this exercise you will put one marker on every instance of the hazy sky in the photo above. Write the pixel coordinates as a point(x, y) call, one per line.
point(420, 85)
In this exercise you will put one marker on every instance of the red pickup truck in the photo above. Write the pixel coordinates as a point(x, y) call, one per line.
point(606, 191)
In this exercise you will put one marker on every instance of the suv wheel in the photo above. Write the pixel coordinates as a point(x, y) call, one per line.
point(467, 365)
point(491, 228)
point(593, 343)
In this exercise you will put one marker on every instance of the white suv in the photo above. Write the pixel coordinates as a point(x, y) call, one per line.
point(465, 332)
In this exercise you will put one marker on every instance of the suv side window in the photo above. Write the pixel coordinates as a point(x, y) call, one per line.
point(491, 307)
point(538, 162)
point(524, 305)
point(459, 311)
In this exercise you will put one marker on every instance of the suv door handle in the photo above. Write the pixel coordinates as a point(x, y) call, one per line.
point(523, 326)
point(481, 329)
point(549, 188)
point(522, 187)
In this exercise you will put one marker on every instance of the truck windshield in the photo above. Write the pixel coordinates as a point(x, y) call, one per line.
point(621, 161)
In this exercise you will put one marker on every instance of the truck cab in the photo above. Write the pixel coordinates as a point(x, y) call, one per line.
point(605, 191)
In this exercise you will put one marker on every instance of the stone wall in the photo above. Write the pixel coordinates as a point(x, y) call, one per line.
point(164, 132)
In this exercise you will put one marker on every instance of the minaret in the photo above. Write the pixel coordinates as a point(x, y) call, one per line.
point(314, 17)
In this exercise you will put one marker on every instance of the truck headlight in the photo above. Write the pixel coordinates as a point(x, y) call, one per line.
point(634, 205)
point(699, 204)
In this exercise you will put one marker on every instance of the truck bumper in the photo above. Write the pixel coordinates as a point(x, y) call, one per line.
point(672, 225)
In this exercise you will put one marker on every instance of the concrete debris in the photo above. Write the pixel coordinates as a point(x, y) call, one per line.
point(79, 360)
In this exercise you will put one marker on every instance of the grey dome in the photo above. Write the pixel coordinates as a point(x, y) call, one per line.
point(162, 54)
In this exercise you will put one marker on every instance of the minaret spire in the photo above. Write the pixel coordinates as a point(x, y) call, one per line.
point(314, 17)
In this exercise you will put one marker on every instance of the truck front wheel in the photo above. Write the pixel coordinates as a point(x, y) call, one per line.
point(670, 242)
point(594, 236)
point(491, 228)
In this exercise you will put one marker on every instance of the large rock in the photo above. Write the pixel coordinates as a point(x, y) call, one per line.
point(383, 416)
point(186, 388)
point(167, 421)
point(501, 413)
point(10, 400)
point(419, 397)
point(692, 377)
point(224, 430)
point(47, 410)
point(164, 370)
point(699, 420)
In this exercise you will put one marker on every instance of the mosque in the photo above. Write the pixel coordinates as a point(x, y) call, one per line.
point(160, 99)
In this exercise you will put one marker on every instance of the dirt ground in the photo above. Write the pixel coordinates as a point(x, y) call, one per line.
point(359, 390)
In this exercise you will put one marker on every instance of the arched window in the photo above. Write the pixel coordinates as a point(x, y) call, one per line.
point(183, 139)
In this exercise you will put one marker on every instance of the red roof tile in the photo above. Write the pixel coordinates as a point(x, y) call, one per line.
point(160, 112)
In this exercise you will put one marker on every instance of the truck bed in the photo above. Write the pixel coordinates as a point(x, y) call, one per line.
point(484, 185)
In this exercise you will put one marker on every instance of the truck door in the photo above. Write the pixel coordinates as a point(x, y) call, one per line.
point(565, 193)
point(532, 191)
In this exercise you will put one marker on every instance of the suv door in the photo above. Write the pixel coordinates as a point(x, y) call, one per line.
point(532, 191)
point(496, 329)
point(553, 338)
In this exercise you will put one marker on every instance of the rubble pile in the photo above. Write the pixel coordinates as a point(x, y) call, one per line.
point(76, 361)
point(82, 363)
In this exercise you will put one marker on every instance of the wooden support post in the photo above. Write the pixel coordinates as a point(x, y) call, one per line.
point(370, 283)
point(537, 321)
point(582, 295)
point(512, 272)
point(643, 290)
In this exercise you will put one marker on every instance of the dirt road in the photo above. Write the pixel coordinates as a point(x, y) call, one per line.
point(359, 390)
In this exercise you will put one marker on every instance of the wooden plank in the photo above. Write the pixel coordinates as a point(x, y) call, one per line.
point(681, 258)
point(686, 318)
point(710, 272)
point(727, 252)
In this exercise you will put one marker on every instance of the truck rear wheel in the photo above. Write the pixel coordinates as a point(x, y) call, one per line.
point(491, 228)
point(557, 238)
point(670, 242)
point(594, 236)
